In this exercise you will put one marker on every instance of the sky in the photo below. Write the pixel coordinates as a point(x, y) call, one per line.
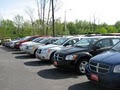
point(107, 11)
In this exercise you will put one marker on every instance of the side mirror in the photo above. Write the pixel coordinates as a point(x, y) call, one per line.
point(96, 47)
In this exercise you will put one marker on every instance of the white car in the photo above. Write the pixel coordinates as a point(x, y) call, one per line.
point(47, 52)
point(12, 43)
point(31, 49)
point(24, 45)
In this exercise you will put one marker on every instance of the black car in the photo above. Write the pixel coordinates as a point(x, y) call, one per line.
point(78, 56)
point(104, 68)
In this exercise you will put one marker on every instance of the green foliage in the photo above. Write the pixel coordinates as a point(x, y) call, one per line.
point(102, 30)
point(20, 28)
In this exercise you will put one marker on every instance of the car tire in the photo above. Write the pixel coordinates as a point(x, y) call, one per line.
point(81, 66)
point(51, 57)
point(35, 53)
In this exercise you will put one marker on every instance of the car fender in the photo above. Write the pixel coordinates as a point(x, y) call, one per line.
point(82, 55)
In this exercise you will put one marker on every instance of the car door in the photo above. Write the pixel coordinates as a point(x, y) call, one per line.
point(101, 46)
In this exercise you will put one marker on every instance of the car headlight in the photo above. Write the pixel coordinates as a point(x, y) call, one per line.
point(17, 43)
point(116, 69)
point(71, 57)
point(45, 51)
point(30, 47)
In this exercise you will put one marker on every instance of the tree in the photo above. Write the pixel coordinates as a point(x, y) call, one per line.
point(72, 29)
point(102, 30)
point(18, 21)
point(30, 13)
point(112, 29)
point(117, 25)
point(7, 28)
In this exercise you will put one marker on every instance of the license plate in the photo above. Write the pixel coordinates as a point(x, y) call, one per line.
point(55, 63)
point(94, 77)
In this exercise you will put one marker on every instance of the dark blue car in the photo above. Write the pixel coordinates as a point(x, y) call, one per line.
point(105, 68)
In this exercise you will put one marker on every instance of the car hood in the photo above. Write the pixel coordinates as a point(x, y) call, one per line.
point(71, 50)
point(28, 43)
point(48, 46)
point(33, 44)
point(109, 57)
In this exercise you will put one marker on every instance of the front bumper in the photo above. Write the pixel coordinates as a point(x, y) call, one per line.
point(110, 80)
point(65, 64)
point(43, 57)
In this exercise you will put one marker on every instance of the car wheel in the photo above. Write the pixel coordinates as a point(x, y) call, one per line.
point(81, 66)
point(35, 53)
point(51, 57)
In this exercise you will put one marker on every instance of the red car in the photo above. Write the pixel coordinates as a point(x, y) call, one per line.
point(25, 39)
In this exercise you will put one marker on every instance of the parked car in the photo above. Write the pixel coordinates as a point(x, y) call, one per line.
point(77, 57)
point(5, 40)
point(31, 49)
point(47, 52)
point(104, 69)
point(0, 41)
point(24, 45)
point(25, 39)
point(13, 42)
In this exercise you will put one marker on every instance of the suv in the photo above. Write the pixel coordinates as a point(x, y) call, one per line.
point(78, 56)
point(47, 52)
point(105, 68)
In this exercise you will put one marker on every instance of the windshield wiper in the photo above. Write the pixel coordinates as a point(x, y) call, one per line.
point(113, 49)
point(79, 46)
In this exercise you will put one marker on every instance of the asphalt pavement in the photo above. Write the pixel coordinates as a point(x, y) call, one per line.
point(19, 71)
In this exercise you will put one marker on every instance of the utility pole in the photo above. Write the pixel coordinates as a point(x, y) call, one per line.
point(53, 23)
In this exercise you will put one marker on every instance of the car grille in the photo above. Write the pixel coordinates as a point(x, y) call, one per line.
point(39, 51)
point(99, 67)
point(58, 56)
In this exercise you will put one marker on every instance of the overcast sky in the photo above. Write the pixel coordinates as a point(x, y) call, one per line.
point(107, 11)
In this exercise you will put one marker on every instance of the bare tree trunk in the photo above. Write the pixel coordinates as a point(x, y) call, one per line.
point(43, 24)
point(39, 15)
point(48, 18)
point(30, 12)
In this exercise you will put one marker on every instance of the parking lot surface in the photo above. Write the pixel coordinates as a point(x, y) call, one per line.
point(19, 71)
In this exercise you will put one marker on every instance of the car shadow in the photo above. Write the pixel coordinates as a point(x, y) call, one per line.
point(8, 49)
point(87, 86)
point(24, 56)
point(37, 63)
point(54, 73)
point(19, 52)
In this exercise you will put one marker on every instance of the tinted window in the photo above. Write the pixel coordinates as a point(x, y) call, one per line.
point(116, 47)
point(86, 42)
point(60, 41)
point(103, 43)
point(71, 42)
point(114, 41)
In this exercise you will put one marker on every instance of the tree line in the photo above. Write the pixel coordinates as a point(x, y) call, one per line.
point(20, 28)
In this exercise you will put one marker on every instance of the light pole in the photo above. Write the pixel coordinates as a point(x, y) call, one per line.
point(65, 19)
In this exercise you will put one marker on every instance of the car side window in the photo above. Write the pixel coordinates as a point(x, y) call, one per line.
point(103, 43)
point(114, 41)
point(72, 42)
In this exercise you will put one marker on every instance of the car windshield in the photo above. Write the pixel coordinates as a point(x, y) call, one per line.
point(85, 42)
point(116, 47)
point(44, 40)
point(26, 38)
point(60, 41)
point(37, 39)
